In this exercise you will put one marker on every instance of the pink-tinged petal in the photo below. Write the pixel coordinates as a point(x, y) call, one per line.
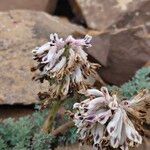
point(54, 58)
point(104, 116)
point(83, 42)
point(79, 42)
point(123, 134)
point(97, 133)
point(49, 56)
point(50, 65)
point(114, 103)
point(131, 133)
point(87, 38)
point(106, 93)
point(93, 92)
point(112, 126)
point(116, 136)
point(114, 142)
point(41, 49)
point(55, 41)
point(53, 36)
point(96, 102)
point(59, 65)
point(59, 53)
point(69, 40)
point(90, 118)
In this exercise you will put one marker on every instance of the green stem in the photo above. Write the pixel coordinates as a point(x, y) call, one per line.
point(48, 124)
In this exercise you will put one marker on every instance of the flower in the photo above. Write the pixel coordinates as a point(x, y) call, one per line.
point(64, 64)
point(105, 120)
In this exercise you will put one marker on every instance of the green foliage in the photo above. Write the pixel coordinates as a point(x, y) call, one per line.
point(3, 145)
point(21, 134)
point(140, 81)
point(41, 141)
point(24, 134)
point(69, 137)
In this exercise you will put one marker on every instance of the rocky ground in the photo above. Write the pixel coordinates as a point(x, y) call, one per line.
point(121, 42)
point(121, 52)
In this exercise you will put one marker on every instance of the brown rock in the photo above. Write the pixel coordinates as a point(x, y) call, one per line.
point(147, 64)
point(122, 53)
point(20, 32)
point(43, 5)
point(140, 16)
point(101, 14)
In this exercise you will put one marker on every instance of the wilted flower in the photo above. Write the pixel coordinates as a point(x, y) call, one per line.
point(104, 120)
point(64, 64)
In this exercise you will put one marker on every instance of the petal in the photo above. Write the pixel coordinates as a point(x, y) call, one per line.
point(78, 75)
point(106, 93)
point(59, 65)
point(93, 92)
point(65, 88)
point(59, 53)
point(41, 49)
point(114, 103)
point(131, 133)
point(76, 105)
point(104, 116)
point(82, 54)
point(116, 136)
point(97, 132)
point(114, 142)
point(96, 102)
point(88, 38)
point(71, 58)
point(90, 118)
point(112, 126)
point(69, 39)
point(124, 147)
point(50, 55)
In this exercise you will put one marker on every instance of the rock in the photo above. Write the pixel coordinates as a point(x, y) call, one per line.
point(20, 32)
point(42, 5)
point(140, 16)
point(121, 53)
point(103, 14)
point(147, 64)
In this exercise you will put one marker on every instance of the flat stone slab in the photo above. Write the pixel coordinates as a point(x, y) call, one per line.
point(121, 53)
point(102, 14)
point(20, 32)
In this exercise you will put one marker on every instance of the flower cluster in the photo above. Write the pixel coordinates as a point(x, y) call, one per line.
point(64, 64)
point(105, 120)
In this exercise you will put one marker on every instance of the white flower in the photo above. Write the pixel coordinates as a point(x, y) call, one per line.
point(64, 62)
point(103, 117)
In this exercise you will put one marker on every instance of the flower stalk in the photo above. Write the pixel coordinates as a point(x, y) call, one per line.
point(48, 124)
